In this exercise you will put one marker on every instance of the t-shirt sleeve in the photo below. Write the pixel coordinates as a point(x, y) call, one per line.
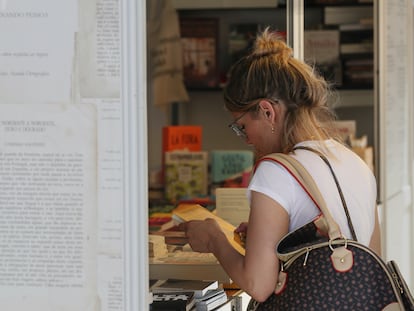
point(274, 181)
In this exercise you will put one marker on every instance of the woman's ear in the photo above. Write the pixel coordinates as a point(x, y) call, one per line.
point(267, 109)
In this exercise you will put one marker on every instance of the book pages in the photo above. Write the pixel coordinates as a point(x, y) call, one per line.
point(187, 212)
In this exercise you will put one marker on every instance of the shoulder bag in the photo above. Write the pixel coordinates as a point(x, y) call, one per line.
point(321, 270)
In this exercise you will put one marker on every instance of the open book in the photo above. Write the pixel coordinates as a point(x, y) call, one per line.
point(187, 212)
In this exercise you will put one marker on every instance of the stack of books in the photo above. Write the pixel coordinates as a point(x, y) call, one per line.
point(204, 295)
point(189, 265)
point(184, 164)
point(156, 246)
point(177, 301)
point(211, 300)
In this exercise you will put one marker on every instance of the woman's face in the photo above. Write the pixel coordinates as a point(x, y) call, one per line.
point(262, 128)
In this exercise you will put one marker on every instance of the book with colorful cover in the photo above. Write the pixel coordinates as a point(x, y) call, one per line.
point(230, 168)
point(181, 137)
point(185, 174)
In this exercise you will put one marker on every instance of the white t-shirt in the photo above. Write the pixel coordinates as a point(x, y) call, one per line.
point(355, 178)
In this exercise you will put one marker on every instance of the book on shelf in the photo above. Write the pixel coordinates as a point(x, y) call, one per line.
point(181, 137)
point(177, 301)
point(187, 212)
point(240, 40)
point(172, 236)
point(159, 213)
point(199, 287)
point(345, 129)
point(359, 71)
point(185, 174)
point(156, 221)
point(356, 48)
point(328, 2)
point(199, 39)
point(230, 168)
point(156, 246)
point(356, 27)
point(211, 300)
point(321, 46)
point(187, 265)
point(337, 15)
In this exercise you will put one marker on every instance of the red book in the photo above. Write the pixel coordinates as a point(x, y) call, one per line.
point(181, 137)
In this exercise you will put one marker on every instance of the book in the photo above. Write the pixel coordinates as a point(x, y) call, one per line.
point(185, 174)
point(321, 49)
point(157, 220)
point(177, 301)
point(211, 300)
point(336, 15)
point(240, 40)
point(199, 39)
point(156, 246)
point(321, 46)
point(232, 205)
point(187, 265)
point(187, 212)
point(159, 213)
point(181, 137)
point(173, 237)
point(238, 298)
point(199, 287)
point(345, 129)
point(355, 48)
point(230, 168)
point(355, 26)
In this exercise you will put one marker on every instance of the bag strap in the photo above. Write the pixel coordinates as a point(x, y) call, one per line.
point(305, 180)
point(325, 159)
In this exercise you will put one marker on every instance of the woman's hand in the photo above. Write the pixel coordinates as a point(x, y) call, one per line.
point(241, 230)
point(201, 234)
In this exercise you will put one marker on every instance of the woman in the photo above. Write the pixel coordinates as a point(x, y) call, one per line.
point(278, 104)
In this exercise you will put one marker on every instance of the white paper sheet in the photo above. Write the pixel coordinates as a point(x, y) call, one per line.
point(232, 205)
point(99, 49)
point(48, 210)
point(37, 50)
point(110, 210)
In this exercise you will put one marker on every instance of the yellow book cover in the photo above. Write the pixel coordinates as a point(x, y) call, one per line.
point(187, 212)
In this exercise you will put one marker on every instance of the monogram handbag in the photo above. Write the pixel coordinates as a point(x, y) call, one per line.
point(321, 270)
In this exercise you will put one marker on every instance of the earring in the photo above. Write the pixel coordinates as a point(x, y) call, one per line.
point(273, 129)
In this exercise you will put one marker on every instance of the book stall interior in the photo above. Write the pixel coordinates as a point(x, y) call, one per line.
point(197, 167)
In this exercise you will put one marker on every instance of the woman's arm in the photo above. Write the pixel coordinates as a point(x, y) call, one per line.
point(257, 271)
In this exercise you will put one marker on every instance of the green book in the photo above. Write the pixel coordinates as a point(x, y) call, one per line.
point(230, 166)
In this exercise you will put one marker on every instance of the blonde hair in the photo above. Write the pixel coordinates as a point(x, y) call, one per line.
point(271, 72)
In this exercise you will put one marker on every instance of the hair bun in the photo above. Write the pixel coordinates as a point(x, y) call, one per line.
point(270, 43)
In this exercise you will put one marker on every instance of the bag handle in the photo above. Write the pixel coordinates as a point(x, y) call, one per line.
point(325, 159)
point(305, 180)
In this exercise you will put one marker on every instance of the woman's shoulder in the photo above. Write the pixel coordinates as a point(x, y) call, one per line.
point(341, 157)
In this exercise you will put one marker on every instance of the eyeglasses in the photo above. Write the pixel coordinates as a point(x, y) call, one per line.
point(239, 130)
